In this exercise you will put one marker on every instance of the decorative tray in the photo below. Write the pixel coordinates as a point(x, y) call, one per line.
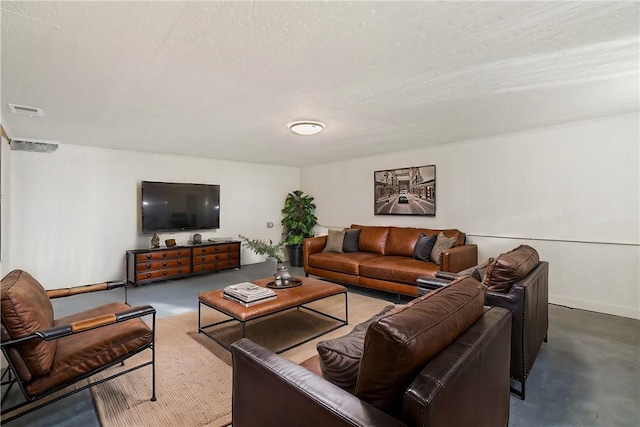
point(294, 283)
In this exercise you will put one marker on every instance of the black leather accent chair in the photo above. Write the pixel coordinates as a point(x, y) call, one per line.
point(527, 298)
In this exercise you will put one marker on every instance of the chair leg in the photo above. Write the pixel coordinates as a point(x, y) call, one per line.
point(519, 393)
point(153, 356)
point(546, 337)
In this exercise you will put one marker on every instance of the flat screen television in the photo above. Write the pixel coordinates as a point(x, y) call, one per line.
point(168, 206)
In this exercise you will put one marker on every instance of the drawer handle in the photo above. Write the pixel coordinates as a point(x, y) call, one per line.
point(179, 261)
point(217, 256)
point(164, 254)
point(203, 258)
point(148, 274)
point(148, 256)
point(148, 265)
point(164, 273)
point(203, 250)
point(164, 263)
point(179, 270)
point(179, 252)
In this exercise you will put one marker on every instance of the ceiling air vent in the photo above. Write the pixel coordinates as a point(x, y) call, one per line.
point(31, 144)
point(29, 111)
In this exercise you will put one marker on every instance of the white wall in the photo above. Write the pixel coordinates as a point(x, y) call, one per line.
point(75, 212)
point(5, 190)
point(572, 192)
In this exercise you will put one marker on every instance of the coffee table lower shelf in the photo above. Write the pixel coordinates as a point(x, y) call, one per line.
point(288, 299)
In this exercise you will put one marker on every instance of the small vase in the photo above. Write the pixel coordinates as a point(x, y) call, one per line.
point(155, 241)
point(282, 277)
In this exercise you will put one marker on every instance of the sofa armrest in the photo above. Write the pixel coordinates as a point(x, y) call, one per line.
point(459, 258)
point(270, 390)
point(445, 275)
point(427, 284)
point(312, 245)
point(467, 384)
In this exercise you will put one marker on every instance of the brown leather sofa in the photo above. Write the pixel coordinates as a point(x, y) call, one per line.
point(518, 281)
point(384, 260)
point(441, 360)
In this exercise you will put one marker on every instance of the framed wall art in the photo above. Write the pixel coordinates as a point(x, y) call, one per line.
point(405, 191)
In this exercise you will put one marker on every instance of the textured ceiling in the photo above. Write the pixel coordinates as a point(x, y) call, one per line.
point(223, 79)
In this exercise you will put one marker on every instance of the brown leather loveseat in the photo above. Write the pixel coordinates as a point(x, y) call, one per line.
point(441, 360)
point(385, 258)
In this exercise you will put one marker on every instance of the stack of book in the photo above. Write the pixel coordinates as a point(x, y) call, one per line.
point(248, 294)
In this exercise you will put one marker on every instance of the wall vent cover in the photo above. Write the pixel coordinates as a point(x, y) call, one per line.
point(32, 144)
point(29, 111)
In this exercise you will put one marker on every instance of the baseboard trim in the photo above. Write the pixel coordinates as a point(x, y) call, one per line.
point(630, 312)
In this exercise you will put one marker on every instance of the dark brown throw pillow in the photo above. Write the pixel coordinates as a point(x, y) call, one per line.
point(340, 357)
point(351, 237)
point(423, 247)
point(334, 241)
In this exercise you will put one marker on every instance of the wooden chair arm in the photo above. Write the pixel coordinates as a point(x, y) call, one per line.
point(83, 289)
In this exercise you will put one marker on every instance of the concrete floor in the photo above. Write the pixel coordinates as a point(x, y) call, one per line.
point(588, 374)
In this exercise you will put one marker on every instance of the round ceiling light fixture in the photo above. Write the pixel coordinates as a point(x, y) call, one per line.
point(306, 127)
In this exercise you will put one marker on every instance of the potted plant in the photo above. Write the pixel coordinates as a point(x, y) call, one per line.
point(298, 222)
point(262, 247)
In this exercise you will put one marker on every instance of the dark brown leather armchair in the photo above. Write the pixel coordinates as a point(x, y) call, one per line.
point(46, 355)
point(464, 384)
point(527, 298)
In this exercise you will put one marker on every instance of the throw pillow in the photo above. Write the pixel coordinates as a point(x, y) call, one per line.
point(478, 271)
point(340, 357)
point(334, 241)
point(442, 244)
point(351, 237)
point(423, 247)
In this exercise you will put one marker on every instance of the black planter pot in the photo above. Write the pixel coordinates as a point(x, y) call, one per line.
point(295, 256)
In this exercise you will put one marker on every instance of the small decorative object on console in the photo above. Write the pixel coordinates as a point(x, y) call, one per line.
point(197, 238)
point(170, 242)
point(155, 241)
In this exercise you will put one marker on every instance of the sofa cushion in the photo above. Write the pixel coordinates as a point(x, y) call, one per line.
point(397, 269)
point(340, 357)
point(423, 247)
point(372, 238)
point(351, 237)
point(442, 244)
point(348, 263)
point(510, 267)
point(26, 308)
point(335, 239)
point(401, 241)
point(400, 343)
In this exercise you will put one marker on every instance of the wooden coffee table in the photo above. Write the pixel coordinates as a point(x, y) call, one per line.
point(310, 290)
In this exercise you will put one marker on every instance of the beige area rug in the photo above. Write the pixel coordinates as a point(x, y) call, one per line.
point(194, 374)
